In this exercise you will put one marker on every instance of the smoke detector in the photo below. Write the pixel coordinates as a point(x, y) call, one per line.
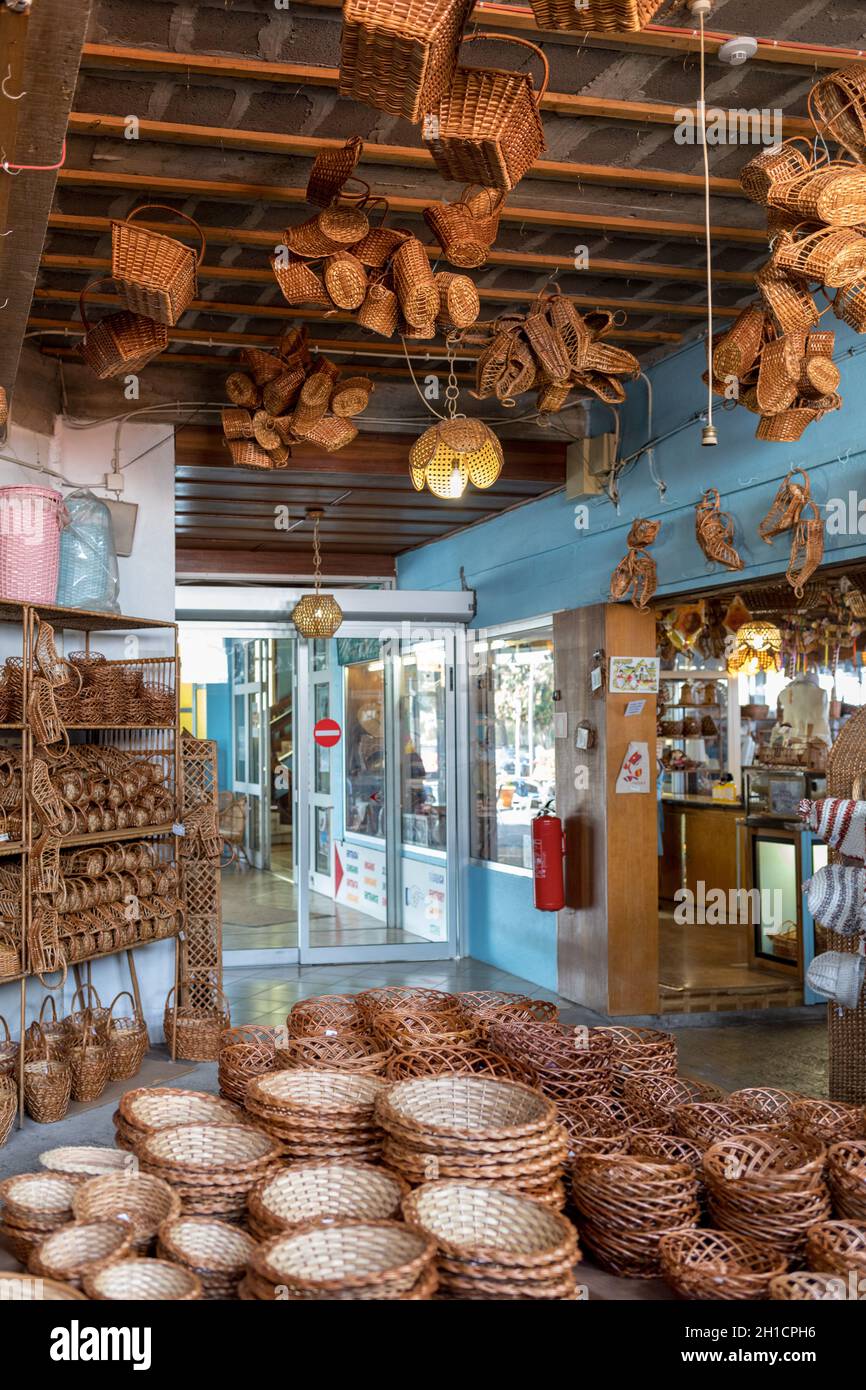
point(737, 51)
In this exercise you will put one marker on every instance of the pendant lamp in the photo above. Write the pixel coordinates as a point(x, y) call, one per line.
point(456, 450)
point(317, 614)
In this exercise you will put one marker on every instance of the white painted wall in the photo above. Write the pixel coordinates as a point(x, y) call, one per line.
point(146, 591)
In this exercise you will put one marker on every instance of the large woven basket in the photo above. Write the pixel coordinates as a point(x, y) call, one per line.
point(487, 126)
point(155, 274)
point(326, 1014)
point(503, 1235)
point(147, 1109)
point(596, 16)
point(324, 1192)
point(211, 1167)
point(717, 1266)
point(400, 58)
point(120, 343)
point(193, 1026)
point(348, 1260)
point(141, 1199)
point(846, 1173)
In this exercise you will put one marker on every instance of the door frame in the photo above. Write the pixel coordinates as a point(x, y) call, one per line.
point(257, 791)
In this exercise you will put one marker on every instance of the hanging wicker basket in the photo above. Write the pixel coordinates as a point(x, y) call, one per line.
point(119, 343)
point(331, 170)
point(596, 16)
point(488, 127)
point(831, 256)
point(155, 274)
point(380, 311)
point(774, 167)
point(467, 229)
point(345, 280)
point(400, 60)
point(351, 396)
point(298, 283)
point(459, 304)
point(415, 284)
point(837, 105)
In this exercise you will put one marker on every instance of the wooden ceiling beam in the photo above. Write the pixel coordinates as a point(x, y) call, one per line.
point(40, 51)
point(513, 260)
point(118, 58)
point(492, 295)
point(151, 185)
point(200, 558)
point(253, 311)
point(402, 156)
point(223, 365)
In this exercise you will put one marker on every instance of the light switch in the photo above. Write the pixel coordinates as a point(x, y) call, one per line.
point(560, 724)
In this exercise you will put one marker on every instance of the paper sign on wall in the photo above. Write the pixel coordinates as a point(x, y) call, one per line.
point(634, 675)
point(634, 775)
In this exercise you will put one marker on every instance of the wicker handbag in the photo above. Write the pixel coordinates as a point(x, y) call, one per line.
point(127, 1040)
point(119, 343)
point(400, 60)
point(467, 229)
point(837, 105)
point(331, 170)
point(488, 127)
point(193, 1029)
point(597, 16)
point(155, 274)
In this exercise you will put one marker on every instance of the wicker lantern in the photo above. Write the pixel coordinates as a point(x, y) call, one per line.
point(317, 614)
point(455, 452)
point(758, 646)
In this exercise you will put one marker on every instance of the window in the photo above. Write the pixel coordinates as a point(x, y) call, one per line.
point(422, 744)
point(365, 747)
point(513, 767)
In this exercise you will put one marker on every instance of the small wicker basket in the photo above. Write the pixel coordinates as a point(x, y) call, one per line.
point(155, 274)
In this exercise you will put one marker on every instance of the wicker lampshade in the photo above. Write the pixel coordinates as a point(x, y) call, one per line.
point(317, 614)
point(455, 452)
point(758, 646)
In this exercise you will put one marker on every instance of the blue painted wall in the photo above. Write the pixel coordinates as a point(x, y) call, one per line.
point(219, 728)
point(533, 560)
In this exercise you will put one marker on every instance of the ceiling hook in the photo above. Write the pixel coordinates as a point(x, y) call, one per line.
point(9, 96)
point(5, 302)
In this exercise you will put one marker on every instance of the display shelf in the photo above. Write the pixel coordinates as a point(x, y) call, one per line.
point(101, 728)
point(8, 847)
point(125, 946)
point(98, 837)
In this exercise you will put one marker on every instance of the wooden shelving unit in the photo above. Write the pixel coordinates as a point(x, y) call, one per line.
point(146, 741)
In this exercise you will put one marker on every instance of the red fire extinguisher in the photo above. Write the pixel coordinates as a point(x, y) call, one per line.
point(548, 852)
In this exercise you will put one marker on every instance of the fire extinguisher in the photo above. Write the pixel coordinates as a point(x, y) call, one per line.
point(548, 852)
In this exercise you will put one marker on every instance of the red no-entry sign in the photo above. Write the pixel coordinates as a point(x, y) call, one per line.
point(327, 732)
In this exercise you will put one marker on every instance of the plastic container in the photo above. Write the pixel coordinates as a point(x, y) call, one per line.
point(88, 561)
point(31, 520)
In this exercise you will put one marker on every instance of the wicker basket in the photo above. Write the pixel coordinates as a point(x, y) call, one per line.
point(769, 1187)
point(400, 59)
point(298, 283)
point(828, 1120)
point(488, 127)
point(193, 1029)
point(143, 1280)
point(459, 304)
point(846, 1173)
point(120, 343)
point(83, 1247)
point(8, 1106)
point(353, 1052)
point(38, 1202)
point(803, 1285)
point(467, 229)
point(47, 1090)
point(345, 280)
point(148, 1109)
point(87, 1160)
point(89, 1066)
point(127, 1040)
point(239, 1062)
point(415, 283)
point(837, 1247)
point(155, 274)
point(351, 396)
point(216, 1252)
point(331, 169)
point(141, 1199)
point(92, 1015)
point(212, 1168)
point(714, 1265)
point(348, 1260)
point(596, 16)
point(380, 311)
point(627, 1204)
point(324, 1192)
point(8, 1050)
point(25, 1288)
point(837, 105)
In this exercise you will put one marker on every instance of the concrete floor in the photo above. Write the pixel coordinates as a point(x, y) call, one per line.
point(767, 1049)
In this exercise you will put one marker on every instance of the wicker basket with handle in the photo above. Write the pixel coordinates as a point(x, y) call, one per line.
point(487, 126)
point(127, 1040)
point(837, 105)
point(332, 168)
point(400, 57)
point(194, 1023)
point(467, 229)
point(597, 16)
point(120, 343)
point(155, 274)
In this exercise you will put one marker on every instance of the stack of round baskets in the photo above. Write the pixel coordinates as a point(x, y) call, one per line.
point(626, 1204)
point(141, 1199)
point(768, 1186)
point(846, 1175)
point(211, 1167)
point(81, 1248)
point(150, 1108)
point(477, 1128)
point(325, 1015)
point(142, 1280)
point(495, 1244)
point(838, 1247)
point(87, 1160)
point(34, 1205)
point(715, 1265)
point(244, 1053)
point(349, 1260)
point(215, 1251)
point(828, 1120)
point(330, 1191)
point(566, 1064)
point(640, 1052)
point(318, 1114)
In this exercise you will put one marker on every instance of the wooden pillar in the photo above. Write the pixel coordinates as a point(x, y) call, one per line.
point(608, 931)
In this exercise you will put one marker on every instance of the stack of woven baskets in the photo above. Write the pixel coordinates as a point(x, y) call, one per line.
point(626, 1204)
point(285, 396)
point(34, 1205)
point(155, 276)
point(147, 1109)
point(769, 1187)
point(212, 1167)
point(318, 1114)
point(332, 1190)
point(215, 1252)
point(846, 1175)
point(478, 1128)
point(494, 1244)
point(142, 1199)
point(346, 1261)
point(81, 1248)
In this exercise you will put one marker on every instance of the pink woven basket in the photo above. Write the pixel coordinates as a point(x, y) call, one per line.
point(31, 519)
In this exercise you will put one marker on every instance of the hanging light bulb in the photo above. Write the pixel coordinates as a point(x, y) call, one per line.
point(759, 645)
point(456, 450)
point(317, 614)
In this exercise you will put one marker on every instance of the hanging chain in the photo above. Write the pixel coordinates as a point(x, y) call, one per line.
point(317, 555)
point(452, 390)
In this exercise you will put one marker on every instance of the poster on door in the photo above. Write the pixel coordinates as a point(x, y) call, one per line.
point(361, 879)
point(425, 900)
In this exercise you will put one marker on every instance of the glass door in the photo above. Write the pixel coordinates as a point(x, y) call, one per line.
point(250, 745)
point(382, 819)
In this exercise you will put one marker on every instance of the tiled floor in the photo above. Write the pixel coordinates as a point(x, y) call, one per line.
point(260, 912)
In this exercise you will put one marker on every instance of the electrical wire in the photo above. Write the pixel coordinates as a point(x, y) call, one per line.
point(707, 225)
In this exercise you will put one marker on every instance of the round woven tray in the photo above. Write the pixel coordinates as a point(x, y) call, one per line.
point(87, 1160)
point(328, 1191)
point(143, 1280)
point(658, 1096)
point(146, 1110)
point(438, 1060)
point(38, 1200)
point(349, 1259)
point(374, 1001)
point(483, 1225)
point(81, 1248)
point(142, 1199)
point(465, 1111)
point(766, 1104)
point(27, 1288)
point(717, 1266)
point(208, 1154)
point(332, 1098)
point(217, 1252)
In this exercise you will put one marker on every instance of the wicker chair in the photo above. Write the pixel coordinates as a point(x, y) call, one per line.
point(232, 828)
